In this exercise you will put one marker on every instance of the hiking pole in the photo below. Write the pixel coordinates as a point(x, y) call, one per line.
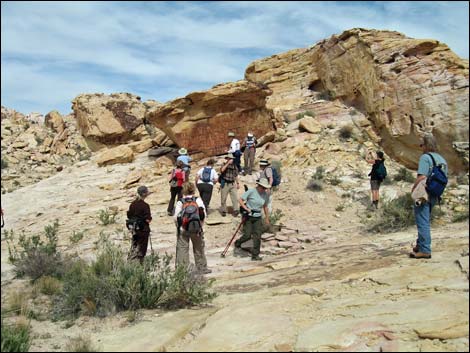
point(150, 240)
point(234, 234)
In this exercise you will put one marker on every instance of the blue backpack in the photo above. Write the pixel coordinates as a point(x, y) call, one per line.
point(276, 177)
point(437, 181)
point(206, 174)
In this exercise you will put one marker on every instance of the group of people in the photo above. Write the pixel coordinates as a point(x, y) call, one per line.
point(191, 211)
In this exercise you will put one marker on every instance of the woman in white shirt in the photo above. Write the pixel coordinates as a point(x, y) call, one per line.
point(205, 179)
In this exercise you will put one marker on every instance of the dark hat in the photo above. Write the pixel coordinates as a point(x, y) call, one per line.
point(142, 190)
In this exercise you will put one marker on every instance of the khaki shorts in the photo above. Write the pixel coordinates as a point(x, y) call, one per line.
point(375, 184)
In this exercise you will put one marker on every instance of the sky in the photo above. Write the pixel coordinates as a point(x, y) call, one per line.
point(53, 51)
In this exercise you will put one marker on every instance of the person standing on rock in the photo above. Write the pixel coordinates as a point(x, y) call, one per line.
point(189, 219)
point(183, 157)
point(268, 174)
point(377, 174)
point(249, 154)
point(205, 179)
point(229, 184)
point(252, 201)
point(422, 211)
point(177, 177)
point(235, 150)
point(139, 210)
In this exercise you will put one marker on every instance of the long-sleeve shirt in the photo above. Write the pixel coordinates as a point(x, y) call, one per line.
point(234, 146)
point(140, 209)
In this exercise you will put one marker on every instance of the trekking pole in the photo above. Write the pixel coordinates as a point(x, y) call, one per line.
point(3, 221)
point(233, 237)
point(150, 240)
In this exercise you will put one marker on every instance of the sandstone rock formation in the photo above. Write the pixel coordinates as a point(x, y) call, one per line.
point(403, 87)
point(201, 120)
point(112, 119)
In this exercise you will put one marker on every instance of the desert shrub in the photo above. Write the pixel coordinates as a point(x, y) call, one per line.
point(107, 217)
point(36, 257)
point(80, 344)
point(462, 179)
point(462, 215)
point(319, 173)
point(346, 132)
point(4, 163)
point(276, 216)
point(392, 216)
point(405, 175)
point(314, 185)
point(15, 337)
point(340, 207)
point(327, 95)
point(112, 284)
point(76, 236)
point(47, 285)
point(18, 302)
point(334, 180)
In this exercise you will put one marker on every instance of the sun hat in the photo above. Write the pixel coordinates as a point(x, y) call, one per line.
point(250, 134)
point(183, 151)
point(263, 162)
point(231, 134)
point(263, 182)
point(143, 190)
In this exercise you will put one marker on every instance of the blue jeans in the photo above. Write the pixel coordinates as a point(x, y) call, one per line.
point(423, 223)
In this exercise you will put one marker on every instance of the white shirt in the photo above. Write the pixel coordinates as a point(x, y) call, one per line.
point(179, 207)
point(234, 146)
point(214, 176)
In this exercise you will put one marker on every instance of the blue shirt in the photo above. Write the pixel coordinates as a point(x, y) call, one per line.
point(185, 159)
point(425, 163)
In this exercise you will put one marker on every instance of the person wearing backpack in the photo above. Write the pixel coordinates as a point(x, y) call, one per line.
point(189, 219)
point(140, 217)
point(249, 153)
point(253, 201)
point(271, 174)
point(377, 174)
point(205, 179)
point(229, 185)
point(176, 178)
point(183, 157)
point(235, 150)
point(432, 167)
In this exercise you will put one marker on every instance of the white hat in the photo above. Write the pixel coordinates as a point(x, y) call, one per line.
point(183, 151)
point(231, 134)
point(250, 134)
point(264, 183)
point(263, 162)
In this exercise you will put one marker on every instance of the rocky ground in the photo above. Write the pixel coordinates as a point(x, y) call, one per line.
point(324, 283)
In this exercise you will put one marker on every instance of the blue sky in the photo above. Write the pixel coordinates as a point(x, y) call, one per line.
point(53, 51)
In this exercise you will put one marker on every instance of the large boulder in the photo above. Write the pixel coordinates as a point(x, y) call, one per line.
point(120, 154)
point(404, 87)
point(201, 120)
point(54, 121)
point(111, 119)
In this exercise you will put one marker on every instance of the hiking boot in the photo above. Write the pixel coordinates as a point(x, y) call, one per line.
point(415, 249)
point(420, 255)
point(237, 244)
point(169, 213)
point(256, 258)
point(224, 214)
point(235, 214)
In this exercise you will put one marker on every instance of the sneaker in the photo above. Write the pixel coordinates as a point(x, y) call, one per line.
point(420, 255)
point(256, 258)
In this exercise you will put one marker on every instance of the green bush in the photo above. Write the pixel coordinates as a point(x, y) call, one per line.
point(405, 175)
point(106, 217)
point(36, 257)
point(346, 132)
point(392, 216)
point(314, 185)
point(319, 173)
point(76, 236)
point(112, 284)
point(15, 338)
point(334, 180)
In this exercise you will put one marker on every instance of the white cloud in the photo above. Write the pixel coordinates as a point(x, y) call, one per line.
point(62, 49)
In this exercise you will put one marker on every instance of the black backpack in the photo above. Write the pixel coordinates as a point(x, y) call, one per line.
point(135, 224)
point(381, 171)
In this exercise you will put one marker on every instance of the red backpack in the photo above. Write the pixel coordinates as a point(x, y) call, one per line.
point(189, 216)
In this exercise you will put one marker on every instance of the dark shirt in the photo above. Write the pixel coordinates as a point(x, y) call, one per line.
point(230, 174)
point(140, 209)
point(373, 172)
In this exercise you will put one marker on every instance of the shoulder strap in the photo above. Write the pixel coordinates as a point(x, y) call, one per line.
point(433, 160)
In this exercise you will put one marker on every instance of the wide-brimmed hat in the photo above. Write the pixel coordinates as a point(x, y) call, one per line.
point(264, 183)
point(143, 190)
point(229, 156)
point(263, 162)
point(231, 134)
point(183, 151)
point(250, 134)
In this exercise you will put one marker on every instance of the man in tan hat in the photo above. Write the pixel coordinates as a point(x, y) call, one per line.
point(229, 184)
point(235, 150)
point(183, 157)
point(252, 201)
point(249, 153)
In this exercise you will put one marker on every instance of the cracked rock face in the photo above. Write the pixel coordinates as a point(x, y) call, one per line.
point(403, 86)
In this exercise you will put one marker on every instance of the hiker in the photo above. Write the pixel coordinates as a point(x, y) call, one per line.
point(176, 178)
point(183, 157)
point(205, 179)
point(249, 153)
point(189, 218)
point(268, 172)
point(377, 174)
point(252, 201)
point(139, 211)
point(422, 210)
point(229, 184)
point(235, 150)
